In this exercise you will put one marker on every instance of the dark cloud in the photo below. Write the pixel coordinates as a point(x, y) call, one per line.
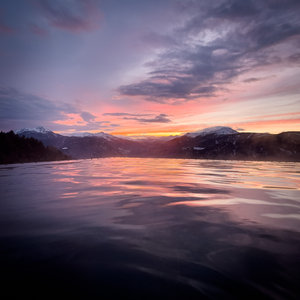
point(88, 117)
point(199, 76)
point(19, 110)
point(219, 41)
point(118, 114)
point(73, 15)
point(15, 105)
point(256, 79)
point(252, 79)
point(235, 9)
point(161, 118)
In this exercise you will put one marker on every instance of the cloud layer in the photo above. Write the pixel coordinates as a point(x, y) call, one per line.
point(15, 105)
point(19, 109)
point(161, 118)
point(219, 41)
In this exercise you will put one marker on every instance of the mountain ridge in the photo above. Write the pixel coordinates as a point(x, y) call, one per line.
point(210, 143)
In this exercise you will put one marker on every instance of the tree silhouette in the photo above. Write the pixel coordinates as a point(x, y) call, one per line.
point(18, 149)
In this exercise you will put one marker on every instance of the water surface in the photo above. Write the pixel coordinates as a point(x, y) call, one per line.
point(151, 228)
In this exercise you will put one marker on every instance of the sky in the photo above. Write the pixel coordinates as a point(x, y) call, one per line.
point(141, 67)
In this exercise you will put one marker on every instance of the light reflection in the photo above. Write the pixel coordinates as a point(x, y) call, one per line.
point(263, 187)
point(283, 216)
point(231, 201)
point(69, 195)
point(232, 185)
point(198, 221)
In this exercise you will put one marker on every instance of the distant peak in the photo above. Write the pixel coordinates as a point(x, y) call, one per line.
point(218, 130)
point(97, 134)
point(39, 129)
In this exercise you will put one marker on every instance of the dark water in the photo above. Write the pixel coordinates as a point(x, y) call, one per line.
point(131, 228)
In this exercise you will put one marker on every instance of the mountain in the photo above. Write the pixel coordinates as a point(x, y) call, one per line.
point(149, 138)
point(97, 134)
point(211, 143)
point(85, 146)
point(40, 132)
point(18, 149)
point(217, 130)
point(39, 129)
point(244, 146)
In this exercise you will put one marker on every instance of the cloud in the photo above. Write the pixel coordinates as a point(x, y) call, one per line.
point(15, 105)
point(252, 79)
point(88, 117)
point(118, 114)
point(84, 127)
point(294, 58)
point(82, 121)
point(157, 40)
point(219, 41)
point(72, 15)
point(161, 118)
point(235, 9)
point(19, 110)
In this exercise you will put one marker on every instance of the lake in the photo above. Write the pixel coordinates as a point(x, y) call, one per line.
point(136, 228)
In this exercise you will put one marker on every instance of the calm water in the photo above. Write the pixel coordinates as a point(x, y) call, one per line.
point(150, 228)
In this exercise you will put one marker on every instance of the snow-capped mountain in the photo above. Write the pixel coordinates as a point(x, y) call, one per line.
point(150, 139)
point(97, 134)
point(39, 129)
point(217, 130)
point(46, 136)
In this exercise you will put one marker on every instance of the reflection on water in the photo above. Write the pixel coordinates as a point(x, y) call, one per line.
point(145, 228)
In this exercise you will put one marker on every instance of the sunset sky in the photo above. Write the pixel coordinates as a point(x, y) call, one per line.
point(159, 67)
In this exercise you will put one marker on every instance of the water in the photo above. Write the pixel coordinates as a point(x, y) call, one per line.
point(150, 228)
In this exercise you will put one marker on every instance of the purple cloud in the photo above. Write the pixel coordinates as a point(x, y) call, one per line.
point(20, 110)
point(119, 114)
point(219, 41)
point(74, 15)
point(88, 117)
point(161, 118)
point(15, 105)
